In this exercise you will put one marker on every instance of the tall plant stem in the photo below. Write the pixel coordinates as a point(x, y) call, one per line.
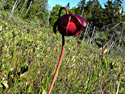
point(59, 64)
point(105, 42)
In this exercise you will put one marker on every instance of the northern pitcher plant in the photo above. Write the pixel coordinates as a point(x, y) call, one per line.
point(68, 25)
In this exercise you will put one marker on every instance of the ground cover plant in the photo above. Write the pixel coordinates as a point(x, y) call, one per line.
point(28, 60)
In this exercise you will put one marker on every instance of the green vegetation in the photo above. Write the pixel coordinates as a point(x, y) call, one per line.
point(33, 10)
point(28, 61)
point(29, 54)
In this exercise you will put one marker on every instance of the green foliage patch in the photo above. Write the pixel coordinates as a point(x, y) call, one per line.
point(28, 59)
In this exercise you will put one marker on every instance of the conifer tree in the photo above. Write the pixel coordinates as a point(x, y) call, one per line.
point(54, 14)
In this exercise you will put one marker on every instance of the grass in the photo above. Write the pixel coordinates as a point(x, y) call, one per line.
point(28, 62)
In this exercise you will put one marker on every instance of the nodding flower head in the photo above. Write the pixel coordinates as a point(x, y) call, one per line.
point(69, 24)
point(79, 42)
point(41, 25)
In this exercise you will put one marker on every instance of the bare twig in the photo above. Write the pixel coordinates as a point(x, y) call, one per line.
point(14, 6)
point(29, 7)
point(118, 24)
point(23, 6)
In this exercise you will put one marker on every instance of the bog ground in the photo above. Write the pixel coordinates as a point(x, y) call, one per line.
point(28, 60)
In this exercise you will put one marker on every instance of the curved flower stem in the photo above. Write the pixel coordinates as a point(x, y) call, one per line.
point(59, 64)
point(65, 10)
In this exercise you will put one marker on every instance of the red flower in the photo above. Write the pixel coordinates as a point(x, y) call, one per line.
point(41, 25)
point(79, 42)
point(69, 25)
point(28, 30)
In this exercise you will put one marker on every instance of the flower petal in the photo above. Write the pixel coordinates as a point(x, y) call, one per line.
point(79, 31)
point(71, 29)
point(70, 24)
point(81, 20)
point(63, 20)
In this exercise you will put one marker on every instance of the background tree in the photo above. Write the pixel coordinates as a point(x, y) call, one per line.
point(38, 11)
point(99, 16)
point(54, 14)
point(34, 10)
point(73, 10)
point(81, 7)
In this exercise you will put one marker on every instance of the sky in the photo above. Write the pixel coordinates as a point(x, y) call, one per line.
point(73, 3)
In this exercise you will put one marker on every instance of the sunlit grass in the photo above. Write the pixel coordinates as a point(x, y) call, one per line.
point(28, 65)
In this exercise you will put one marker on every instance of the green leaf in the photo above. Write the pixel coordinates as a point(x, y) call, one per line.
point(44, 92)
point(5, 83)
point(1, 85)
